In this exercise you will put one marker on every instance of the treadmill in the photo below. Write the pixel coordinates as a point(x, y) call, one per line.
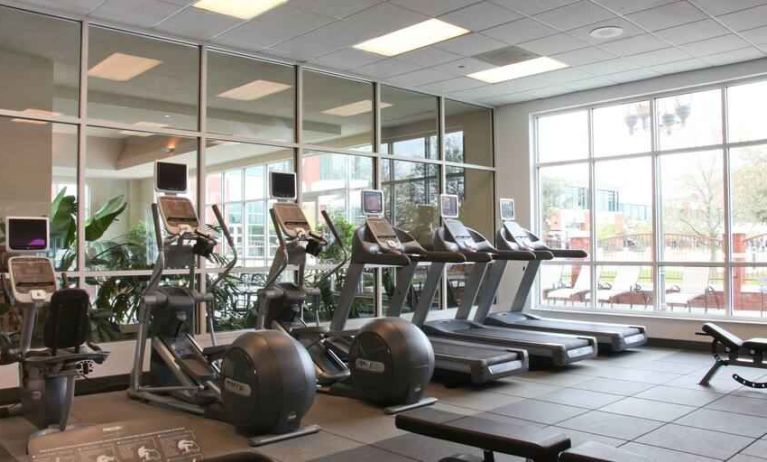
point(512, 236)
point(480, 363)
point(556, 349)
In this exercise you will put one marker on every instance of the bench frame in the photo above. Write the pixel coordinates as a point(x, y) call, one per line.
point(734, 357)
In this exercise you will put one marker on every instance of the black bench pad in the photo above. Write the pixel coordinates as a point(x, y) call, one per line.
point(598, 452)
point(756, 344)
point(731, 340)
point(539, 444)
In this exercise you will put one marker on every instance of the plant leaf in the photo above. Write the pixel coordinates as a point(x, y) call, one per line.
point(96, 226)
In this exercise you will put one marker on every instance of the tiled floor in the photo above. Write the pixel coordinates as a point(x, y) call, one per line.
point(646, 401)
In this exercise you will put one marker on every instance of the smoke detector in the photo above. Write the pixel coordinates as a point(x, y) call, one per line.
point(606, 32)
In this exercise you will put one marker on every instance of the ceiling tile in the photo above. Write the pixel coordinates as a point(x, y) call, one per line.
point(734, 56)
point(553, 44)
point(433, 7)
point(520, 31)
point(457, 84)
point(417, 78)
point(715, 45)
point(142, 13)
point(272, 27)
point(692, 32)
point(608, 67)
point(746, 19)
point(574, 15)
point(652, 58)
point(584, 33)
point(335, 8)
point(630, 6)
point(198, 24)
point(758, 35)
point(428, 56)
point(79, 7)
point(463, 66)
point(719, 7)
point(583, 56)
point(680, 66)
point(633, 75)
point(666, 16)
point(634, 45)
point(387, 68)
point(480, 16)
point(347, 58)
point(470, 44)
point(591, 82)
point(533, 7)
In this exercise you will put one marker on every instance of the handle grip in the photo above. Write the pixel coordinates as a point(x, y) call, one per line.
point(332, 227)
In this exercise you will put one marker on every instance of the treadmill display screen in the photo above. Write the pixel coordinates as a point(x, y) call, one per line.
point(282, 185)
point(372, 202)
point(170, 178)
point(448, 204)
point(26, 234)
point(508, 211)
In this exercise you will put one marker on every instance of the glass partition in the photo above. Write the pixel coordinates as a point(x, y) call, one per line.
point(468, 133)
point(409, 123)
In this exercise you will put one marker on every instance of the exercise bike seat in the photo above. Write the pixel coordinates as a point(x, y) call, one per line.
point(756, 344)
point(725, 337)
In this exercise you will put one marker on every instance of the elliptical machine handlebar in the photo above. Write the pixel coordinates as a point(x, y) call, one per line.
point(339, 242)
point(159, 264)
point(229, 240)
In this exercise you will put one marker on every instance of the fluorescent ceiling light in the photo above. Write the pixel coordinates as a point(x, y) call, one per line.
point(254, 90)
point(517, 70)
point(243, 9)
point(413, 37)
point(122, 67)
point(352, 109)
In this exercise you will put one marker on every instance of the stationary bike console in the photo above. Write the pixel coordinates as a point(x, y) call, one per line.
point(32, 279)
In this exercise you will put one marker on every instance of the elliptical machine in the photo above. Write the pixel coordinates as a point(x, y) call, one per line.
point(388, 361)
point(263, 383)
point(46, 376)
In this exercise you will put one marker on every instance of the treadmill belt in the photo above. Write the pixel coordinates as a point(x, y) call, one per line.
point(585, 327)
point(470, 351)
point(462, 330)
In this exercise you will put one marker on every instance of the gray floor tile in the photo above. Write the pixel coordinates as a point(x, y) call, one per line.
point(524, 389)
point(539, 411)
point(726, 422)
point(613, 386)
point(310, 447)
point(562, 378)
point(741, 405)
point(366, 453)
point(646, 409)
point(757, 449)
point(653, 377)
point(696, 441)
point(751, 392)
point(611, 425)
point(680, 395)
point(470, 398)
point(352, 419)
point(579, 437)
point(745, 458)
point(430, 449)
point(657, 454)
point(579, 398)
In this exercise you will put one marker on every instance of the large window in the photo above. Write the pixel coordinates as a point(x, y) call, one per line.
point(667, 196)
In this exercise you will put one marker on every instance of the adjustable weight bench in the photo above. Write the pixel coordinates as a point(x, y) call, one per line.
point(739, 352)
point(534, 444)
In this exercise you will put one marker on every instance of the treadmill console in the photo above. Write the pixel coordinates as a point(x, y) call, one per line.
point(379, 227)
point(291, 218)
point(460, 234)
point(32, 279)
point(177, 214)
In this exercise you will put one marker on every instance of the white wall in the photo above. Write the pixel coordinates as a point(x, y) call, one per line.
point(515, 171)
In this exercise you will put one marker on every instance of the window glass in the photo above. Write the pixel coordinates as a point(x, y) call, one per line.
point(475, 191)
point(468, 133)
point(338, 112)
point(408, 123)
point(622, 129)
point(250, 98)
point(624, 288)
point(39, 178)
point(623, 209)
point(411, 194)
point(141, 81)
point(46, 60)
point(119, 172)
point(748, 167)
point(689, 120)
point(565, 286)
point(692, 206)
point(563, 136)
point(565, 206)
point(744, 117)
point(749, 291)
point(693, 289)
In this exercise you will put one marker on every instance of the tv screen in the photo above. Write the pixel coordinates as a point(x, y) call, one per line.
point(507, 209)
point(283, 185)
point(372, 202)
point(448, 205)
point(170, 178)
point(26, 234)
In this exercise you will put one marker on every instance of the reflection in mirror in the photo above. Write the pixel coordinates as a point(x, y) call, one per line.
point(39, 178)
point(622, 129)
point(338, 112)
point(689, 120)
point(142, 81)
point(411, 191)
point(43, 53)
point(475, 192)
point(468, 133)
point(250, 98)
point(408, 123)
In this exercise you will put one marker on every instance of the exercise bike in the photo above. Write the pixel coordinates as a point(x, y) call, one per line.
point(263, 383)
point(46, 375)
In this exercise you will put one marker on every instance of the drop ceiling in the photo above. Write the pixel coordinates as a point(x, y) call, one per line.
point(660, 37)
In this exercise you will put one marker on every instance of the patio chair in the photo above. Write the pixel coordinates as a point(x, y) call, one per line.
point(625, 282)
point(694, 284)
point(575, 293)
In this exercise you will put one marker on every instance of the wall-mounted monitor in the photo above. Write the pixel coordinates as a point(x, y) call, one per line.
point(372, 202)
point(170, 178)
point(282, 185)
point(448, 205)
point(26, 234)
point(508, 210)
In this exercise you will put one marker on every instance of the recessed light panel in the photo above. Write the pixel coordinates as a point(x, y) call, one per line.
point(517, 70)
point(352, 109)
point(410, 38)
point(254, 90)
point(242, 9)
point(121, 67)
